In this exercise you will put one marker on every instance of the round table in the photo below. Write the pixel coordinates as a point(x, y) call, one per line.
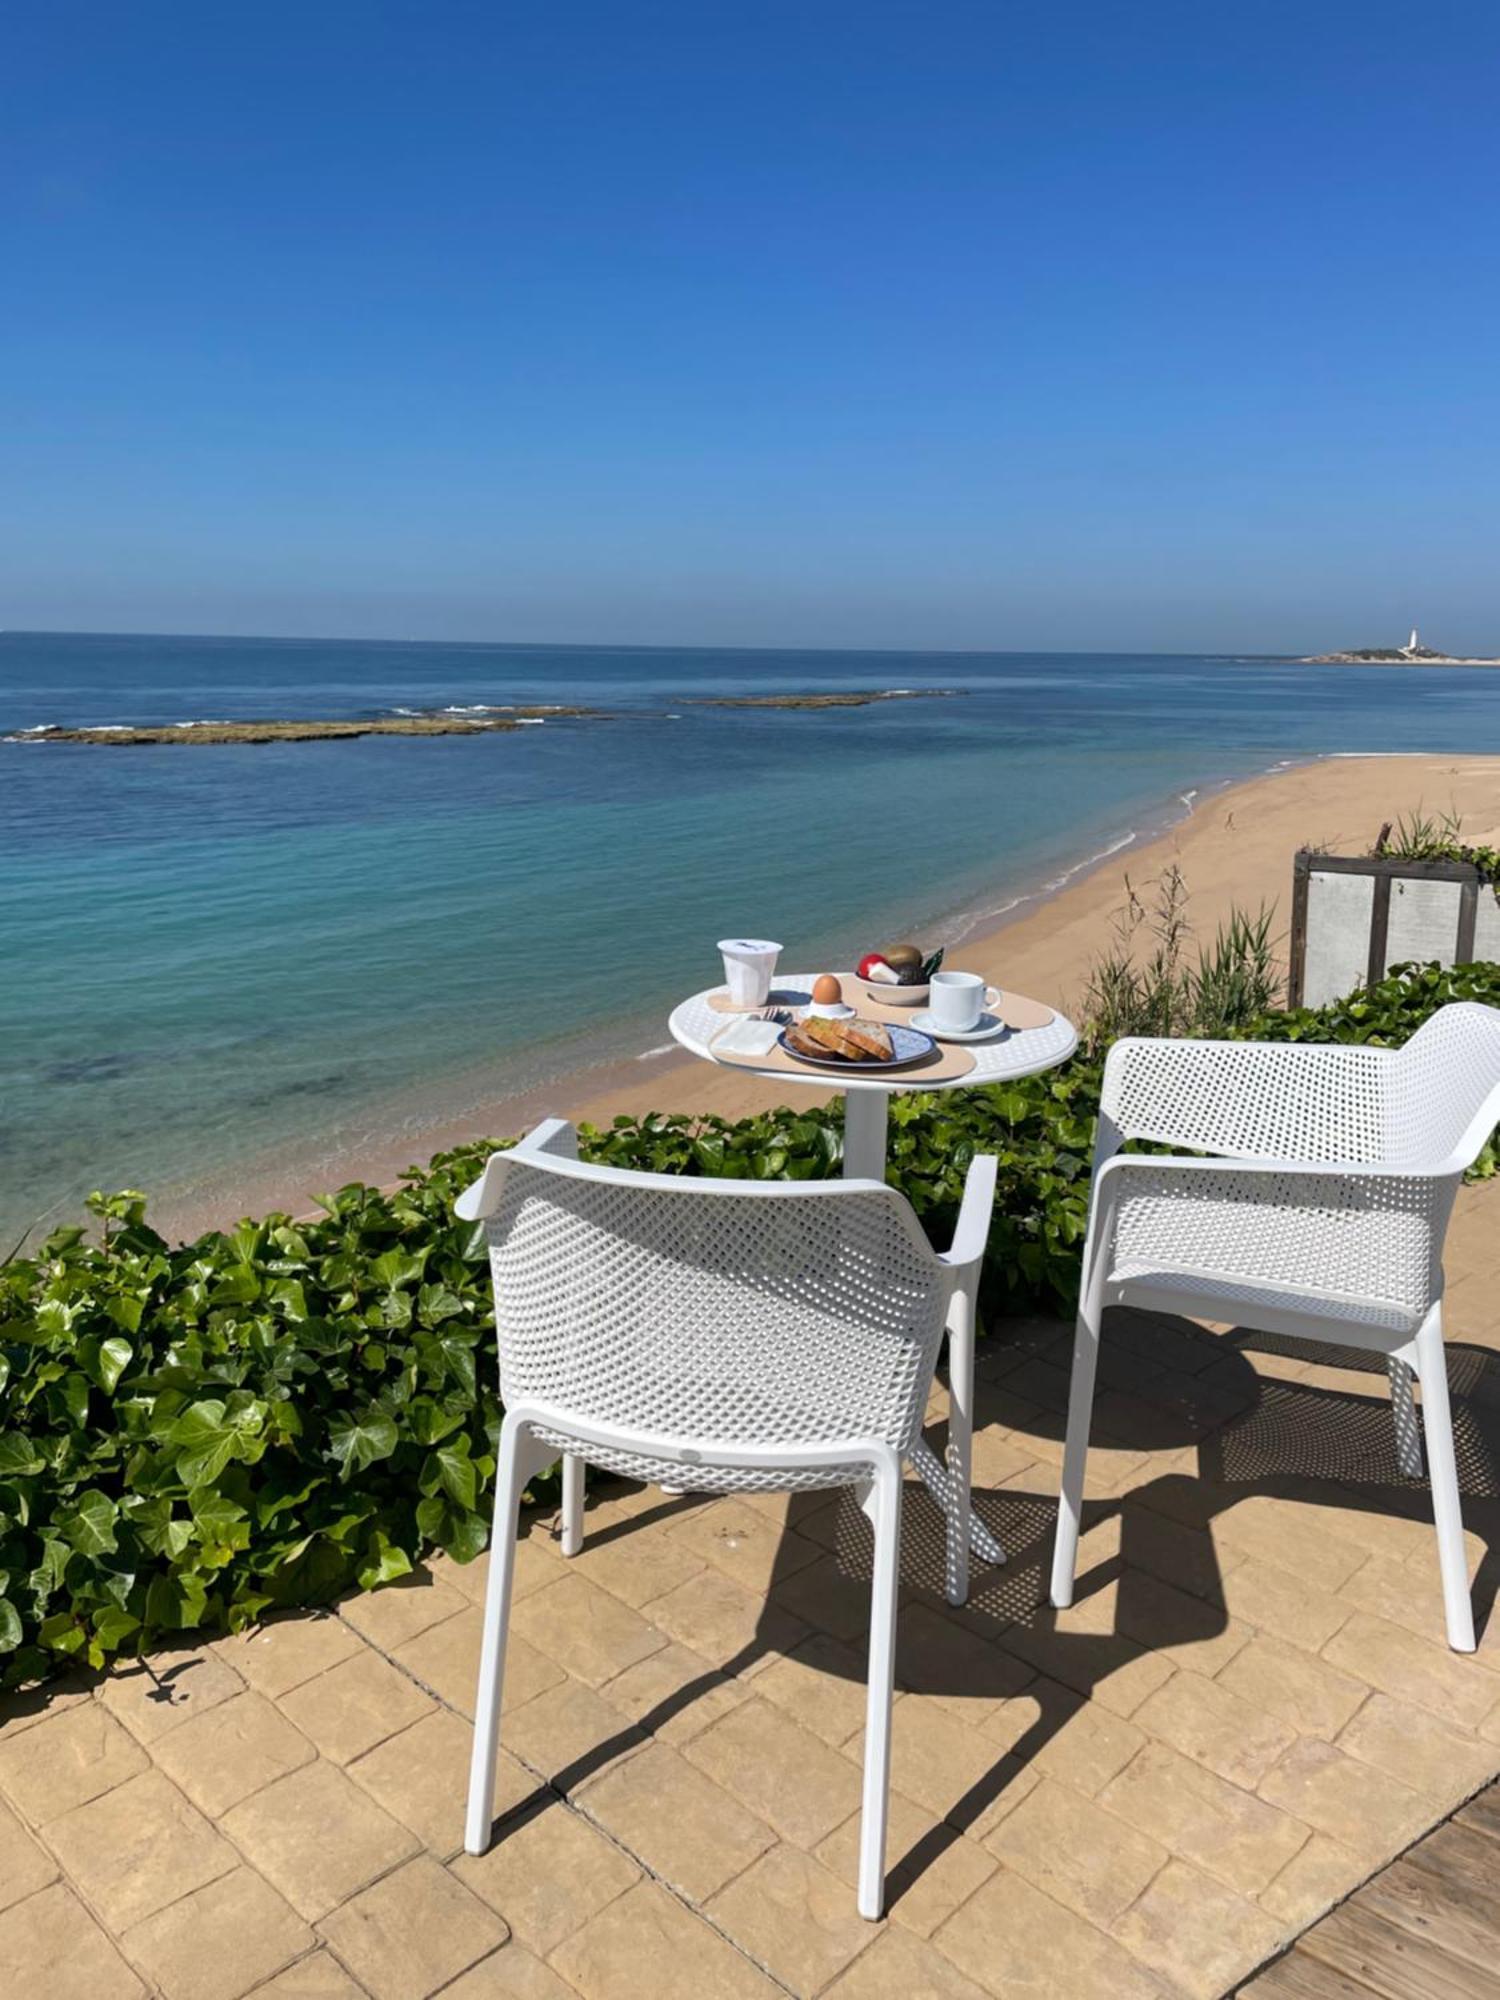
point(1018, 1052)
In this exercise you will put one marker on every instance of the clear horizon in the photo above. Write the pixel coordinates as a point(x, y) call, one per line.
point(865, 327)
point(650, 646)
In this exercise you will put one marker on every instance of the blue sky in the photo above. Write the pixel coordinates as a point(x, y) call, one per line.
point(1162, 326)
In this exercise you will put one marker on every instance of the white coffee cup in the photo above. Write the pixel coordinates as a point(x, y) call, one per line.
point(749, 964)
point(955, 1000)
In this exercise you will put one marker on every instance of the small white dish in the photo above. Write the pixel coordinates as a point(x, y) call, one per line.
point(989, 1026)
point(830, 1010)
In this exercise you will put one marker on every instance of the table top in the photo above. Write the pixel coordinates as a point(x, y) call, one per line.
point(1017, 1052)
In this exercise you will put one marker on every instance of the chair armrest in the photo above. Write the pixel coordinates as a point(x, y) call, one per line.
point(481, 1198)
point(1300, 1171)
point(973, 1227)
point(1249, 1100)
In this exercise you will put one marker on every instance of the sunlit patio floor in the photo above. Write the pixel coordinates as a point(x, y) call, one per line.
point(1249, 1711)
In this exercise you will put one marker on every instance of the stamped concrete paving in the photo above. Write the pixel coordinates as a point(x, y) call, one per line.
point(1247, 1713)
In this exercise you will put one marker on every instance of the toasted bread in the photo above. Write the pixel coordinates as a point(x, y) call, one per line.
point(826, 1037)
point(847, 1041)
point(870, 1039)
point(806, 1044)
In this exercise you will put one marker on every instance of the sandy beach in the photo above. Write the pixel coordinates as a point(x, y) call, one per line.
point(1235, 846)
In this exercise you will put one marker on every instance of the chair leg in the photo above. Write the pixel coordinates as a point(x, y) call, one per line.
point(1447, 1512)
point(572, 1504)
point(1076, 1447)
point(1404, 1410)
point(510, 1482)
point(960, 1440)
point(880, 1690)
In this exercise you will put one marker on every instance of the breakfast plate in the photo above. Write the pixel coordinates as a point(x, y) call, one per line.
point(989, 1025)
point(908, 1045)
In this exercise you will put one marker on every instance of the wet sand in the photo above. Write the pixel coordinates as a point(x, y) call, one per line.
point(1234, 847)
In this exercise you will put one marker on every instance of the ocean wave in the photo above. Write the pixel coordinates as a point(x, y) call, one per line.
point(663, 1049)
point(969, 924)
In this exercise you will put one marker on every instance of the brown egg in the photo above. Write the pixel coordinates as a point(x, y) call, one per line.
point(826, 992)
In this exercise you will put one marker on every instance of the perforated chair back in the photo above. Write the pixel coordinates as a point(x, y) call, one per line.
point(732, 1311)
point(1429, 1105)
point(1261, 1100)
point(1444, 1099)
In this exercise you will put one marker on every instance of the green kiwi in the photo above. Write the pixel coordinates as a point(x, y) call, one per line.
point(902, 954)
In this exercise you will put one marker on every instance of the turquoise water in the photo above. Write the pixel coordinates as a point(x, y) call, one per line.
point(209, 954)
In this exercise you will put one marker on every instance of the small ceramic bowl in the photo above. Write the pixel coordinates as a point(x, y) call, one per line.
point(880, 995)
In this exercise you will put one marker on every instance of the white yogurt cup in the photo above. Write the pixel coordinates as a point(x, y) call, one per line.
point(749, 965)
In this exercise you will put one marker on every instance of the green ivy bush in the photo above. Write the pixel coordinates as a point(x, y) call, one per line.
point(273, 1414)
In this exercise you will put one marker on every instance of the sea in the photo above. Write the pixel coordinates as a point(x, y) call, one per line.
point(210, 956)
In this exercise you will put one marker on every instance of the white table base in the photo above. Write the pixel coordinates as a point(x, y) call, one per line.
point(864, 1135)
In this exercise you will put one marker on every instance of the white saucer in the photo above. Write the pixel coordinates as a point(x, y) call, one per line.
point(989, 1026)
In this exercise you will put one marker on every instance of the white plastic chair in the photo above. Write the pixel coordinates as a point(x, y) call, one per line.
point(1324, 1219)
point(723, 1336)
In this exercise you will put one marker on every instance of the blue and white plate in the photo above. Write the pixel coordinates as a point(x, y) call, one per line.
point(908, 1045)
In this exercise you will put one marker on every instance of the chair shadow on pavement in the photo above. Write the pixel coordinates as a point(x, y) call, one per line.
point(1150, 1580)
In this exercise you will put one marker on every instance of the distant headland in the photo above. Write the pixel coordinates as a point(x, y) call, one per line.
point(1412, 654)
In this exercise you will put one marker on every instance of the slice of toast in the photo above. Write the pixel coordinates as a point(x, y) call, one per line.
point(870, 1040)
point(806, 1043)
point(824, 1037)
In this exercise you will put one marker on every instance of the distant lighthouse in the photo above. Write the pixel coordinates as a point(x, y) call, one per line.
point(1411, 644)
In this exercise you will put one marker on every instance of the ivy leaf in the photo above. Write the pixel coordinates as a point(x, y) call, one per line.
point(112, 1627)
point(11, 1630)
point(221, 1524)
point(384, 1561)
point(238, 1286)
point(90, 1527)
point(435, 1303)
point(454, 1471)
point(460, 1535)
point(61, 1633)
point(126, 1311)
point(357, 1442)
point(209, 1434)
point(18, 1456)
point(430, 1422)
point(395, 1268)
point(115, 1356)
point(54, 1320)
point(176, 1603)
point(450, 1354)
